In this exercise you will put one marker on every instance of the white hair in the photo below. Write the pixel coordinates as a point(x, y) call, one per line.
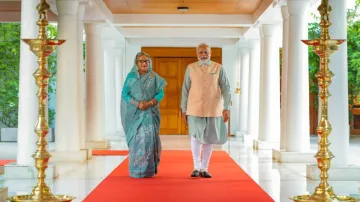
point(201, 45)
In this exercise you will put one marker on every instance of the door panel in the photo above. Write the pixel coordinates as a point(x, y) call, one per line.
point(169, 69)
point(186, 61)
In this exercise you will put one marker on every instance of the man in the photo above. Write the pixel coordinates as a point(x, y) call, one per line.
point(203, 109)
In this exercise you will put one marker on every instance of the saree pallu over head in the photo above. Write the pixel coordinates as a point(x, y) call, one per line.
point(142, 127)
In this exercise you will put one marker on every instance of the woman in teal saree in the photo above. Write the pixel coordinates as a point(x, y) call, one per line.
point(143, 90)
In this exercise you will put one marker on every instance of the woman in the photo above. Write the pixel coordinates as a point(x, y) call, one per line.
point(143, 90)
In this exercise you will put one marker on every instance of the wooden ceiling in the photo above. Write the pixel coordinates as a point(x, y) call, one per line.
point(195, 6)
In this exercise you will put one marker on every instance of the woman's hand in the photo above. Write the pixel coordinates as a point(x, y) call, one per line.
point(144, 105)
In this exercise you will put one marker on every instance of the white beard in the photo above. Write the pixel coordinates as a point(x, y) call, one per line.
point(204, 61)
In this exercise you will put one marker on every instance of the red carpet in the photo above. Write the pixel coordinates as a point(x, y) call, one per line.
point(110, 152)
point(4, 162)
point(174, 184)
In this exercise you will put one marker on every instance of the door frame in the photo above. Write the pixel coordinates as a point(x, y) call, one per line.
point(177, 52)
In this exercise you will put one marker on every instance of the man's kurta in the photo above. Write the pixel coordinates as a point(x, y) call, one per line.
point(205, 94)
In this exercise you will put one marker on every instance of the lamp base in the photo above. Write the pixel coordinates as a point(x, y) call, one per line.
point(308, 198)
point(30, 198)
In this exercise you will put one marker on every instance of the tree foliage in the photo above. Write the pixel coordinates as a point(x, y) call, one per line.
point(9, 71)
point(353, 36)
point(52, 34)
point(314, 62)
point(353, 53)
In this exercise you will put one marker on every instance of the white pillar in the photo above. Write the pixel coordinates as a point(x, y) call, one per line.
point(81, 76)
point(296, 146)
point(338, 101)
point(110, 90)
point(230, 58)
point(28, 102)
point(67, 122)
point(119, 82)
point(297, 109)
point(285, 50)
point(254, 88)
point(269, 120)
point(95, 85)
point(244, 85)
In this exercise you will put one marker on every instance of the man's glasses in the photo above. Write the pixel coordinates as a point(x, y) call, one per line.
point(142, 61)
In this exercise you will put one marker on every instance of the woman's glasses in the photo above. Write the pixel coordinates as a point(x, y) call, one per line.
point(143, 61)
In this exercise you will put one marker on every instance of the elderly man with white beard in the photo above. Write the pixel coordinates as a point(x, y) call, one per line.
point(205, 107)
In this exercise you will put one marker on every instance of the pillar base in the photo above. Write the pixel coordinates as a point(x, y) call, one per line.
point(101, 144)
point(293, 157)
point(16, 171)
point(336, 173)
point(240, 133)
point(78, 157)
point(248, 139)
point(114, 137)
point(259, 144)
point(3, 194)
point(88, 153)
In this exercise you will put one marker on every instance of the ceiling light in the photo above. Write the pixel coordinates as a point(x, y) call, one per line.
point(182, 8)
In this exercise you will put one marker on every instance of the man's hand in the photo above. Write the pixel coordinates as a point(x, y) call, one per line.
point(185, 117)
point(226, 115)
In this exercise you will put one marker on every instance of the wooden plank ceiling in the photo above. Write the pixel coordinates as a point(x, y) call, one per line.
point(195, 6)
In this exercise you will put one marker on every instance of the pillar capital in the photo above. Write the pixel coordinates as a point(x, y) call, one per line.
point(93, 28)
point(254, 43)
point(109, 44)
point(81, 12)
point(297, 7)
point(268, 30)
point(67, 7)
point(285, 13)
point(119, 51)
point(244, 49)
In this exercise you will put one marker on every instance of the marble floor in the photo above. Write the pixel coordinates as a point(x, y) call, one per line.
point(279, 180)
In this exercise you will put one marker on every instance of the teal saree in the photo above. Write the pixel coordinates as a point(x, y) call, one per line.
point(142, 127)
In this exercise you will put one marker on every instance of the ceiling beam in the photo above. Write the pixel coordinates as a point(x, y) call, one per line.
point(231, 20)
point(265, 4)
point(182, 32)
point(180, 42)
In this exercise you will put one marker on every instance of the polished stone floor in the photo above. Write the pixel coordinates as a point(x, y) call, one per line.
point(279, 180)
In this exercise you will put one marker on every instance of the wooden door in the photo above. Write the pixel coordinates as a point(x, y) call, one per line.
point(170, 70)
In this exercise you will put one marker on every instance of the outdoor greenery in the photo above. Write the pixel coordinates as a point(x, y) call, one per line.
point(52, 34)
point(9, 72)
point(353, 43)
point(314, 33)
point(354, 53)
